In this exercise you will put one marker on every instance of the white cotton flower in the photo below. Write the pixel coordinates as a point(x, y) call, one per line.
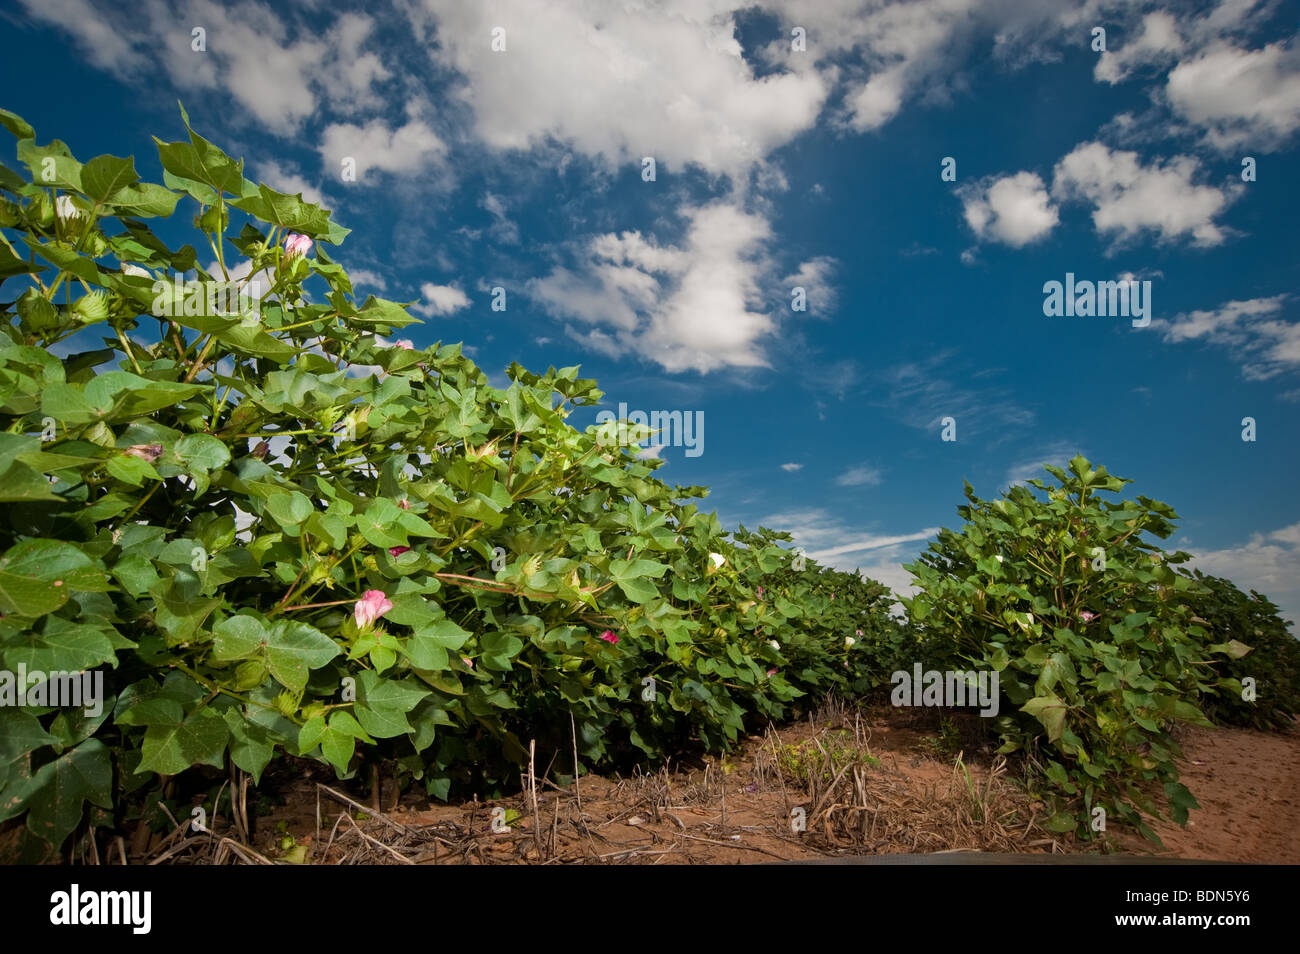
point(998, 557)
point(64, 208)
point(718, 559)
point(136, 270)
point(774, 644)
point(848, 642)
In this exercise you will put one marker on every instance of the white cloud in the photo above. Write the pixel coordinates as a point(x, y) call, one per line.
point(691, 307)
point(406, 149)
point(1159, 42)
point(352, 74)
point(248, 53)
point(864, 475)
point(877, 101)
point(503, 229)
point(622, 81)
point(287, 179)
point(1058, 454)
point(833, 543)
point(1014, 210)
point(1241, 97)
point(922, 397)
point(1130, 198)
point(791, 467)
point(104, 45)
point(813, 276)
point(1267, 563)
point(363, 276)
point(440, 300)
point(1252, 330)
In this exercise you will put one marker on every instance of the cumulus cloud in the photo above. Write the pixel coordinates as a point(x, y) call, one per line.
point(1130, 198)
point(1239, 96)
point(1014, 210)
point(286, 178)
point(686, 307)
point(440, 300)
point(621, 81)
point(791, 467)
point(1158, 42)
point(277, 81)
point(1268, 563)
point(403, 150)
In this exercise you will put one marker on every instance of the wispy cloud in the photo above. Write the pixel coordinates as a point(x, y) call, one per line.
point(921, 396)
point(862, 475)
point(1253, 331)
point(1058, 454)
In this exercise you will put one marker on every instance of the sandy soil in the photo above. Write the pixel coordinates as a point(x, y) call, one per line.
point(738, 810)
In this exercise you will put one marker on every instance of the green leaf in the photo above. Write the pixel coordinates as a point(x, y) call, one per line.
point(287, 211)
point(64, 786)
point(1050, 711)
point(131, 469)
point(289, 509)
point(171, 747)
point(61, 171)
point(295, 648)
point(380, 524)
point(238, 637)
point(251, 744)
point(20, 127)
point(20, 483)
point(36, 576)
point(104, 176)
point(638, 591)
point(20, 733)
point(201, 161)
point(145, 199)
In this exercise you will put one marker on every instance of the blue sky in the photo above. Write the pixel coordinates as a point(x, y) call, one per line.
point(778, 167)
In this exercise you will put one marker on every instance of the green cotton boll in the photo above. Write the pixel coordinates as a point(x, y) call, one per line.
point(41, 211)
point(37, 314)
point(10, 214)
point(91, 307)
point(96, 245)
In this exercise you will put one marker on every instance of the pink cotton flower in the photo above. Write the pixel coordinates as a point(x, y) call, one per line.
point(467, 661)
point(372, 605)
point(1087, 617)
point(760, 592)
point(404, 504)
point(859, 632)
point(395, 552)
point(405, 344)
point(297, 244)
point(771, 672)
point(608, 636)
